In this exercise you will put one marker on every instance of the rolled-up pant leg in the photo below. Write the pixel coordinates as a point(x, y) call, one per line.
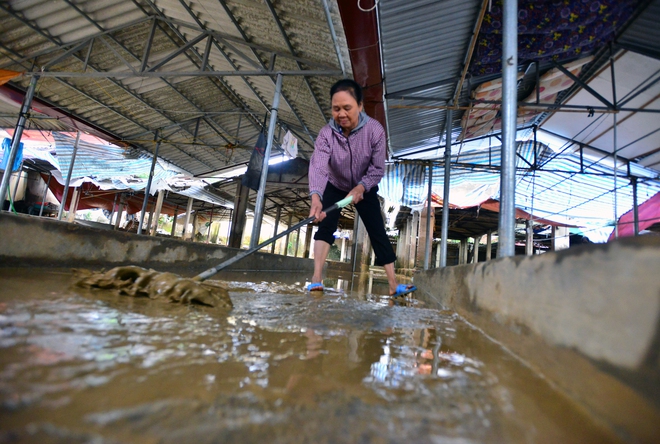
point(369, 211)
point(328, 226)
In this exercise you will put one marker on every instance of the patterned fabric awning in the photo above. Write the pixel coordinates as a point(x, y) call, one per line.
point(484, 118)
point(550, 30)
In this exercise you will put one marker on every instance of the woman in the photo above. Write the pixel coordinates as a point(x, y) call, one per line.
point(349, 160)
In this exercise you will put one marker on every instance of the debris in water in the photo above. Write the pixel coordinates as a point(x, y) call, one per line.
point(140, 282)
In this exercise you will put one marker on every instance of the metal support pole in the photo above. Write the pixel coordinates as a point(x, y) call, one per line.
point(286, 242)
point(429, 232)
point(277, 223)
point(43, 198)
point(614, 147)
point(188, 211)
point(67, 181)
point(445, 194)
point(536, 157)
point(616, 215)
point(334, 37)
point(16, 140)
point(147, 190)
point(231, 215)
point(506, 232)
point(635, 207)
point(356, 231)
point(259, 205)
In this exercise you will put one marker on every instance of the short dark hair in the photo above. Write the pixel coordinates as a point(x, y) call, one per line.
point(350, 86)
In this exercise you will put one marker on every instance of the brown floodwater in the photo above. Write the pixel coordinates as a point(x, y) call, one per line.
point(282, 366)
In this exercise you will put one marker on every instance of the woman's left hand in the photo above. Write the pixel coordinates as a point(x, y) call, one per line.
point(357, 193)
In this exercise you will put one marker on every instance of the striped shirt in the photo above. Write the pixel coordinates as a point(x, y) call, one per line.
point(347, 162)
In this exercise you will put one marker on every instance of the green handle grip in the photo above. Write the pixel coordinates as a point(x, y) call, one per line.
point(211, 271)
point(345, 201)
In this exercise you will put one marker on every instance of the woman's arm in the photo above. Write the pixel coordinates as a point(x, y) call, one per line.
point(376, 168)
point(318, 174)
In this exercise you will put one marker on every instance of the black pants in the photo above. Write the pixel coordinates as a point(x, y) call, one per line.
point(369, 211)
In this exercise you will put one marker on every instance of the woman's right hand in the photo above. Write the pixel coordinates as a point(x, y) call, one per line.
point(316, 208)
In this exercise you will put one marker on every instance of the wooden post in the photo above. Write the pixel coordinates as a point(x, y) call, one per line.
point(73, 206)
point(489, 239)
point(156, 212)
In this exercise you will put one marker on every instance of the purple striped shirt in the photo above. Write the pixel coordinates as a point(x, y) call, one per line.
point(345, 163)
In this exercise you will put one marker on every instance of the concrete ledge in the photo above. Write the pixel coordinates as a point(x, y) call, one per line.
point(42, 242)
point(587, 319)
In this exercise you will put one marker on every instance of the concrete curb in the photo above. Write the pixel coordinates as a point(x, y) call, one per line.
point(587, 319)
point(42, 242)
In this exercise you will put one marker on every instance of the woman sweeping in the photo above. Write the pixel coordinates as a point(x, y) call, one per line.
point(349, 160)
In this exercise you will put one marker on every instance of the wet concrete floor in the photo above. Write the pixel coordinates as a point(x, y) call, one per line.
point(282, 366)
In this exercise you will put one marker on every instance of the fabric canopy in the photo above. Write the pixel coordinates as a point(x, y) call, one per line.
point(648, 214)
point(6, 75)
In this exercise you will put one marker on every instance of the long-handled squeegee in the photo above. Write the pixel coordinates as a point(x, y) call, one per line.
point(211, 271)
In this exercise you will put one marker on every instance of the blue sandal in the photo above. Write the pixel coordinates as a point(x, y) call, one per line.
point(315, 286)
point(403, 289)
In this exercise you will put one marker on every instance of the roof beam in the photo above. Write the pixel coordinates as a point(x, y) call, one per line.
point(178, 52)
point(293, 51)
point(468, 55)
point(598, 150)
point(223, 3)
point(55, 41)
point(586, 87)
point(225, 39)
point(228, 92)
point(145, 65)
point(167, 74)
point(5, 7)
point(231, 62)
point(130, 120)
point(333, 34)
point(228, 59)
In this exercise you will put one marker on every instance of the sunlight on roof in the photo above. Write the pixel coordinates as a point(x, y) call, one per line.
point(239, 170)
point(555, 143)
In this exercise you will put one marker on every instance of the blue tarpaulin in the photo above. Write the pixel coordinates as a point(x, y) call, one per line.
point(6, 147)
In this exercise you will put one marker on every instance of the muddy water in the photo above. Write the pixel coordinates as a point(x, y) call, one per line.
point(282, 366)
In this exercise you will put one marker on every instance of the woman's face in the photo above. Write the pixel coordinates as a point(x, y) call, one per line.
point(345, 110)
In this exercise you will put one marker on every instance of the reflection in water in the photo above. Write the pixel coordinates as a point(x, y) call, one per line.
point(282, 366)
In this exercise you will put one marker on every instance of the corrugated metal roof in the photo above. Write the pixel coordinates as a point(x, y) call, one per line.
point(424, 45)
point(211, 123)
point(36, 26)
point(207, 123)
point(643, 35)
